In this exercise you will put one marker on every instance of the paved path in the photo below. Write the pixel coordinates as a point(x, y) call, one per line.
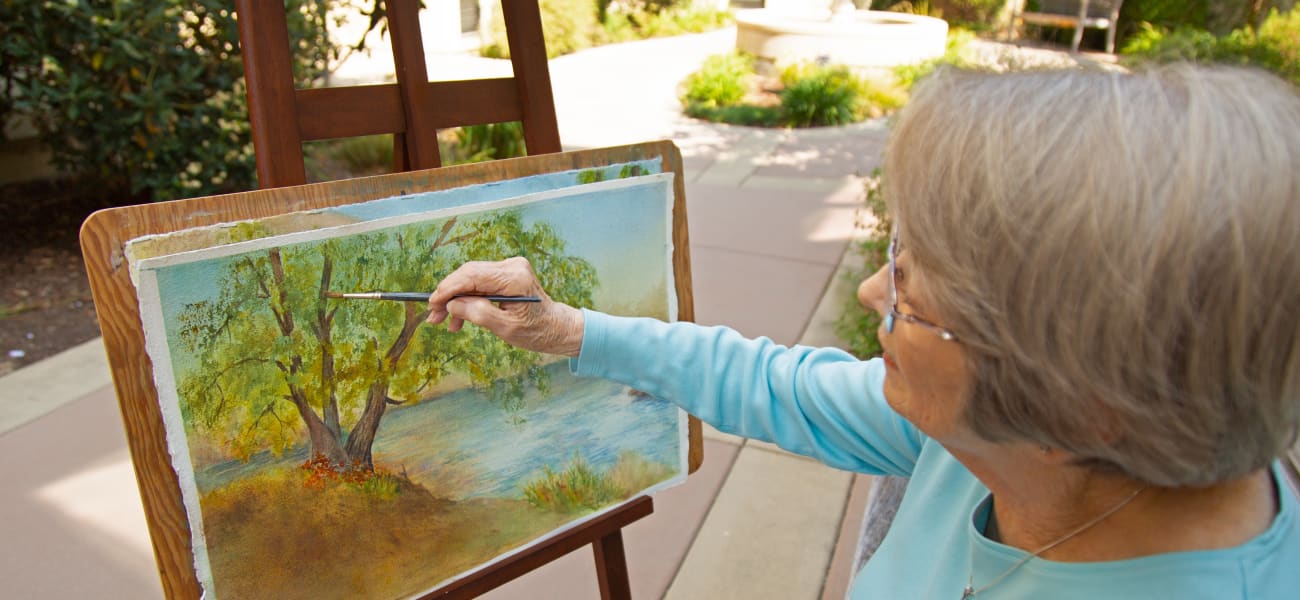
point(770, 213)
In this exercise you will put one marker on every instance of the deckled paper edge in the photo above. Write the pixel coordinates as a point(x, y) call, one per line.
point(158, 348)
point(683, 421)
point(297, 237)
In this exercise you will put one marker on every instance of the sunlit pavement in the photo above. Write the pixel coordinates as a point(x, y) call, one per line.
point(770, 215)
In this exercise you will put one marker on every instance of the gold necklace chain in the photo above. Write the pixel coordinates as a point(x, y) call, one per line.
point(969, 591)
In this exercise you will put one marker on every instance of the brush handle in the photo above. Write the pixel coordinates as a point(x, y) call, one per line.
point(501, 298)
point(424, 297)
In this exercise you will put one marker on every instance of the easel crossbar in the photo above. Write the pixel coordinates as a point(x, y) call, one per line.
point(328, 113)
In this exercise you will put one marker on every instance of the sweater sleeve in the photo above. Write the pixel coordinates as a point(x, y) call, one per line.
point(821, 403)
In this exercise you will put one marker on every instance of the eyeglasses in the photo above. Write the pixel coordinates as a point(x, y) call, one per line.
point(894, 316)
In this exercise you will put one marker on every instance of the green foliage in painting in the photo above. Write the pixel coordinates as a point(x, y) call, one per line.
point(634, 472)
point(579, 487)
point(145, 98)
point(271, 361)
point(591, 176)
point(857, 326)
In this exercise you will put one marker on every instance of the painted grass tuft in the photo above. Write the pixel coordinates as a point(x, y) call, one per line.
point(581, 488)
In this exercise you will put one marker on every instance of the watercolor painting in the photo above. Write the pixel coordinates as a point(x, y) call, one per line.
point(343, 448)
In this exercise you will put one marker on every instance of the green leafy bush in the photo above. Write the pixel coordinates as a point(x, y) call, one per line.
point(721, 81)
point(857, 326)
point(145, 98)
point(810, 94)
point(956, 53)
point(639, 23)
point(972, 14)
point(1274, 46)
point(1215, 16)
point(816, 95)
point(571, 25)
point(739, 114)
point(492, 141)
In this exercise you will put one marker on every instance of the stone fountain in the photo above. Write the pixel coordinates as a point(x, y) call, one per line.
point(835, 31)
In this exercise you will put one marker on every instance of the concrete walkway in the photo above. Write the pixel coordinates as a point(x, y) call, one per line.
point(770, 214)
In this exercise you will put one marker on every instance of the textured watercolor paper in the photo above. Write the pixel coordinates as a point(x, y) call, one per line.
point(330, 448)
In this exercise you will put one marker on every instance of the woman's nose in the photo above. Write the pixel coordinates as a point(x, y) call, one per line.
point(873, 292)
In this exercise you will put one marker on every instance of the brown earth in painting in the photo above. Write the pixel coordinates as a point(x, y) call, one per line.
point(274, 536)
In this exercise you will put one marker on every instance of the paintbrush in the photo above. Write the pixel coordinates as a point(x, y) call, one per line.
point(422, 296)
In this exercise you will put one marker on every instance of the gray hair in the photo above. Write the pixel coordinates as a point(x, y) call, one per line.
point(1119, 255)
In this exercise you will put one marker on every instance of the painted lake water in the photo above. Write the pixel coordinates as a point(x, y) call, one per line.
point(462, 445)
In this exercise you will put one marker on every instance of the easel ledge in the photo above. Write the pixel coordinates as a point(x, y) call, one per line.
point(103, 239)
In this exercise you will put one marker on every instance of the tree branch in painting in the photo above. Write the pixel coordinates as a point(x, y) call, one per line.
point(271, 339)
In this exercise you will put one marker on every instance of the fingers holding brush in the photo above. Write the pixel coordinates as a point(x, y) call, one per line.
point(542, 326)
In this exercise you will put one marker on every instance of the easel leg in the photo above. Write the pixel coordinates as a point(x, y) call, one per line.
point(611, 567)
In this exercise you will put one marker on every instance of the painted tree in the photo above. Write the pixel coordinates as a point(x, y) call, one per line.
point(273, 361)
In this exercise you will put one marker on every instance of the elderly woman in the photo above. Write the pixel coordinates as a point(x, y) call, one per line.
point(1091, 341)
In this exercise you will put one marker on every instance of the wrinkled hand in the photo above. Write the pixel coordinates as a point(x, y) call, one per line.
point(547, 326)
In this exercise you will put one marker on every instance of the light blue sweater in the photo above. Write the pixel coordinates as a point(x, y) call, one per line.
point(826, 404)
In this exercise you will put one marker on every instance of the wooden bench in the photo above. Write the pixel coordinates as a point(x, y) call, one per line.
point(1073, 14)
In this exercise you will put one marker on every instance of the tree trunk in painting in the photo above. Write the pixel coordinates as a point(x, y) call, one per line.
point(273, 361)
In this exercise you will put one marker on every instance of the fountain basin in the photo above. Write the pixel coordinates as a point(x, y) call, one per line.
point(859, 38)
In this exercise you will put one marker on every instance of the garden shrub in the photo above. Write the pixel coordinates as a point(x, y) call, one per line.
point(956, 50)
point(856, 326)
point(822, 95)
point(721, 81)
point(1274, 46)
point(566, 27)
point(367, 153)
point(1215, 16)
point(739, 114)
point(144, 98)
point(811, 94)
point(635, 24)
point(972, 14)
point(571, 25)
point(491, 141)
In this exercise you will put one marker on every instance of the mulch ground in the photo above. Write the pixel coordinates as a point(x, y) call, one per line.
point(45, 301)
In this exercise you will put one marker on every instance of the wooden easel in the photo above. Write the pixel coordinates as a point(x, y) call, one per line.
point(105, 235)
point(413, 110)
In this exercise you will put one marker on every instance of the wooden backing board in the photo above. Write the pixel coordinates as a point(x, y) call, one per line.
point(103, 239)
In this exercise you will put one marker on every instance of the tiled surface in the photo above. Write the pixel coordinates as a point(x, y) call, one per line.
point(39, 388)
point(755, 295)
point(800, 225)
point(766, 536)
point(73, 525)
point(823, 153)
point(770, 213)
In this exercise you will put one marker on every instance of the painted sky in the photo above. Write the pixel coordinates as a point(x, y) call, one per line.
point(624, 232)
